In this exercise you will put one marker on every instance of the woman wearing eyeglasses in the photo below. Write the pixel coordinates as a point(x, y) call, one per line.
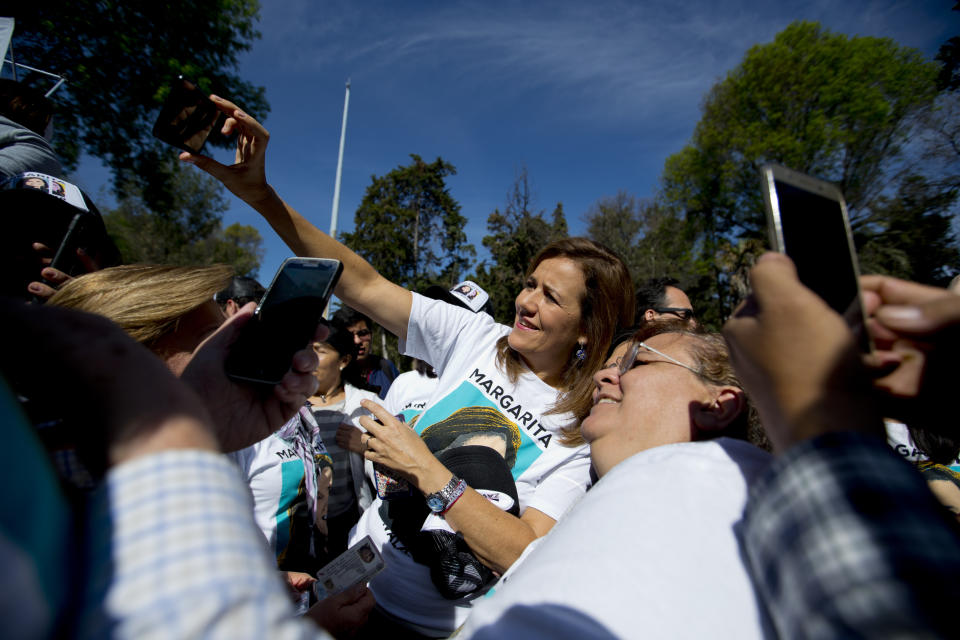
point(532, 381)
point(676, 386)
point(657, 554)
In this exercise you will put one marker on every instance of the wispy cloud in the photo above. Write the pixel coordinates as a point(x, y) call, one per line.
point(624, 60)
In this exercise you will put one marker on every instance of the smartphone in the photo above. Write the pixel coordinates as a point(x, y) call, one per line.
point(285, 321)
point(187, 117)
point(807, 220)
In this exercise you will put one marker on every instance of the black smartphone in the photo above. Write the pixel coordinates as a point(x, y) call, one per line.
point(285, 321)
point(807, 220)
point(187, 117)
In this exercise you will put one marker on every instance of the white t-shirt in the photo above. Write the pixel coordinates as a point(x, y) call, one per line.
point(473, 395)
point(275, 475)
point(898, 437)
point(649, 552)
point(409, 393)
point(348, 467)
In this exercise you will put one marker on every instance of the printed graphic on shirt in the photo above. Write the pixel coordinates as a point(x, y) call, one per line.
point(321, 457)
point(898, 437)
point(480, 412)
point(411, 410)
point(293, 519)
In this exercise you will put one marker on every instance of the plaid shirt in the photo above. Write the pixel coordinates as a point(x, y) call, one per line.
point(845, 539)
point(173, 552)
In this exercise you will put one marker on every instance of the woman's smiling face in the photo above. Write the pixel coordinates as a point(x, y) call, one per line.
point(651, 403)
point(548, 320)
point(330, 364)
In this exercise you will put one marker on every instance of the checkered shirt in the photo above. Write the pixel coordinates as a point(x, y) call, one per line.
point(845, 540)
point(173, 552)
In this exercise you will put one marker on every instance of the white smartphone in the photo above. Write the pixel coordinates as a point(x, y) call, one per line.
point(807, 220)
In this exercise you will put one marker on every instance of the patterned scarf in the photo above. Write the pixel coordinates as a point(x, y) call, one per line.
point(301, 431)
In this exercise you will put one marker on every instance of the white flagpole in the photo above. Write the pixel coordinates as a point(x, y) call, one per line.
point(336, 187)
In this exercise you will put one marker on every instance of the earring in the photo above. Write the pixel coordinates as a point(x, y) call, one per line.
point(580, 354)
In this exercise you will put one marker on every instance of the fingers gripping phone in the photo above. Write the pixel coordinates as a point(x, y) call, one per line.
point(285, 321)
point(807, 220)
point(187, 117)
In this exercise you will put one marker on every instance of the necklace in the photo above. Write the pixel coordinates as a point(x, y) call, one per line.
point(332, 394)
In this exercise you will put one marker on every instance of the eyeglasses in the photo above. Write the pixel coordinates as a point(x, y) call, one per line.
point(626, 363)
point(681, 312)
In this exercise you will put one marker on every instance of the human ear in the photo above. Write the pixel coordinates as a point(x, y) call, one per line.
point(649, 315)
point(727, 403)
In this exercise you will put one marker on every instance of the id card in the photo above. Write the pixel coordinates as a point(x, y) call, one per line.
point(357, 564)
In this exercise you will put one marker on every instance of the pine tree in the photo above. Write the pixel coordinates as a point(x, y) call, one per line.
point(515, 237)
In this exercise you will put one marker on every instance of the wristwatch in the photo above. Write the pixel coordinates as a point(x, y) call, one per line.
point(441, 501)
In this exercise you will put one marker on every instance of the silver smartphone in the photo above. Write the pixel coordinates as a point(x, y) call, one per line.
point(807, 220)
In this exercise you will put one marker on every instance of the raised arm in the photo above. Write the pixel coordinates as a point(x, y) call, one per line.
point(360, 286)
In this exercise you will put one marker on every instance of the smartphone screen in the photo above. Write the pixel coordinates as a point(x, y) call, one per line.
point(285, 321)
point(808, 222)
point(187, 117)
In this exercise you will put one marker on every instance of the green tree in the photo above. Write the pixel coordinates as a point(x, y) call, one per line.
point(118, 59)
point(410, 228)
point(558, 222)
point(515, 237)
point(822, 103)
point(911, 236)
point(649, 238)
point(949, 57)
point(617, 222)
point(188, 231)
point(238, 245)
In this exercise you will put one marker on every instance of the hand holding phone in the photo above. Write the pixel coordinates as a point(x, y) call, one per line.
point(187, 117)
point(807, 220)
point(797, 359)
point(285, 320)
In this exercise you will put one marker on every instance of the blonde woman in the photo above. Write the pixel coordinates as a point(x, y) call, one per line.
point(171, 311)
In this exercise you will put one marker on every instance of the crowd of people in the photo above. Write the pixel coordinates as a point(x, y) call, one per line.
point(604, 466)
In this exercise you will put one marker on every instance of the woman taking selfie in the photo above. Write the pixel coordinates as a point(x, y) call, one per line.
point(519, 390)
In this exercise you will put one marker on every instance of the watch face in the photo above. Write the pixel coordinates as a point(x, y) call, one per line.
point(435, 503)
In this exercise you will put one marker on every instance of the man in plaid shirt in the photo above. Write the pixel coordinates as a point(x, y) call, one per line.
point(843, 538)
point(167, 547)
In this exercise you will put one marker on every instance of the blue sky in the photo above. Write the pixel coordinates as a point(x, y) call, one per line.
point(590, 97)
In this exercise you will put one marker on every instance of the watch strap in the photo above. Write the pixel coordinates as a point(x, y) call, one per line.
point(441, 501)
